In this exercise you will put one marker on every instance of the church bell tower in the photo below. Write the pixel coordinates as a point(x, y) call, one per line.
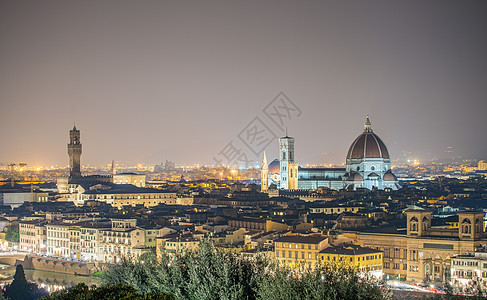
point(264, 175)
point(288, 172)
point(74, 152)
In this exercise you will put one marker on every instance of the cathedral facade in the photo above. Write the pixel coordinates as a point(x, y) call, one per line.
point(368, 165)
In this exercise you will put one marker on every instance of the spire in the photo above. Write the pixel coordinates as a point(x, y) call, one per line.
point(286, 131)
point(74, 126)
point(367, 125)
point(264, 162)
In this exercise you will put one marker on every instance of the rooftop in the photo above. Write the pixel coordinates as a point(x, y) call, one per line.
point(349, 250)
point(314, 239)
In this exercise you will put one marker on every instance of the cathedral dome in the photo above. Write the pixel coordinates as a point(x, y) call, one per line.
point(275, 167)
point(355, 177)
point(368, 145)
point(388, 176)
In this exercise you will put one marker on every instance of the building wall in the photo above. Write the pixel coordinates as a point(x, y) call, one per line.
point(175, 246)
point(58, 240)
point(423, 254)
point(298, 254)
point(468, 268)
point(134, 179)
point(363, 263)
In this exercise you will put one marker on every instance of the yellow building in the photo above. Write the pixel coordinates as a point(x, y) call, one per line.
point(361, 259)
point(295, 251)
point(176, 245)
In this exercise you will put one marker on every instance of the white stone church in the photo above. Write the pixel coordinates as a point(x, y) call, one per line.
point(368, 165)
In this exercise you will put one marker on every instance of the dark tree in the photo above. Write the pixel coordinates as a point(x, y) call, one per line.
point(106, 292)
point(12, 233)
point(21, 289)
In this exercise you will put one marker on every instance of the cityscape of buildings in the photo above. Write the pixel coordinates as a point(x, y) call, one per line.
point(244, 150)
point(426, 224)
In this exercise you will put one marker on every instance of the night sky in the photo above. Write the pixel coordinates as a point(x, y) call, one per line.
point(147, 81)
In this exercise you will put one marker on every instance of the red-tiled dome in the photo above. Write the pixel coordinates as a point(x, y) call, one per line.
point(275, 167)
point(368, 145)
point(355, 177)
point(388, 176)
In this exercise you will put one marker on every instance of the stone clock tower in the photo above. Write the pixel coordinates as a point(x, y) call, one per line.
point(74, 152)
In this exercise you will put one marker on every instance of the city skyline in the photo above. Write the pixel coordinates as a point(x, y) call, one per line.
point(178, 81)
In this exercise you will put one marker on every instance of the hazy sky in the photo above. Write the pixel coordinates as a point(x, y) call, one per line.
point(147, 81)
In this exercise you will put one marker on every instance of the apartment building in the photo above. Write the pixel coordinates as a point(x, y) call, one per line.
point(58, 239)
point(361, 259)
point(32, 236)
point(123, 239)
point(296, 251)
point(90, 241)
point(176, 245)
point(469, 267)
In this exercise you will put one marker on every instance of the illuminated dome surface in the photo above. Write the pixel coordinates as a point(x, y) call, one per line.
point(275, 167)
point(368, 145)
point(355, 177)
point(389, 176)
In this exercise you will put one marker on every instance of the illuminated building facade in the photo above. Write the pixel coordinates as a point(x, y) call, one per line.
point(368, 165)
point(58, 240)
point(308, 251)
point(299, 251)
point(362, 259)
point(469, 267)
point(130, 178)
point(32, 236)
point(421, 253)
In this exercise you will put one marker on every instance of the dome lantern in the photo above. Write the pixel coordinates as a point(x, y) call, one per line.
point(367, 125)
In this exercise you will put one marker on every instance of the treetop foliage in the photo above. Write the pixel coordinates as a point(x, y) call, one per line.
point(210, 273)
point(106, 292)
point(12, 233)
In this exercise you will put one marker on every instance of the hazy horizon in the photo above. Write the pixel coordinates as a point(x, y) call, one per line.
point(155, 80)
